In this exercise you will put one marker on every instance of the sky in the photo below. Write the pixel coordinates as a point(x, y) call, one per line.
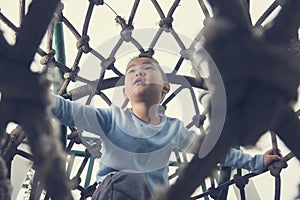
point(188, 21)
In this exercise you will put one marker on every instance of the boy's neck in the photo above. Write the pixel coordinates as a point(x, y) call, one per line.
point(147, 113)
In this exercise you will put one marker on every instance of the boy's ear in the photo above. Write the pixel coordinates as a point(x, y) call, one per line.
point(166, 88)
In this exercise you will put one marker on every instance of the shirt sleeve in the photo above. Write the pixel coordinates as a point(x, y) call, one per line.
point(238, 159)
point(84, 117)
point(186, 138)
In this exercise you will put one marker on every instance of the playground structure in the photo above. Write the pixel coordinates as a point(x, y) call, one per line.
point(30, 95)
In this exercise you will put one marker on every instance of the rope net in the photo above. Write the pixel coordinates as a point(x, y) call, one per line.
point(94, 75)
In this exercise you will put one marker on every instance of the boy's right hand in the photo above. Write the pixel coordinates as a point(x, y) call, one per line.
point(269, 157)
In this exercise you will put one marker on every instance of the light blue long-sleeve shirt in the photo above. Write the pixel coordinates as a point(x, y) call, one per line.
point(134, 146)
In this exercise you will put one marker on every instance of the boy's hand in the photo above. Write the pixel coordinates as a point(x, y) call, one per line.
point(269, 157)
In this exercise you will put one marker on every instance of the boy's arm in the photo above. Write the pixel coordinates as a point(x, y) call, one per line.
point(234, 158)
point(196, 144)
point(257, 163)
point(61, 110)
point(83, 117)
point(238, 159)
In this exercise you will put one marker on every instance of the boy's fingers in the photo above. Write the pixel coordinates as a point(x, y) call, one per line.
point(279, 153)
point(270, 152)
point(275, 157)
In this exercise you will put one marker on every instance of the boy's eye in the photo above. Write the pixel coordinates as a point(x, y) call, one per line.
point(130, 71)
point(149, 67)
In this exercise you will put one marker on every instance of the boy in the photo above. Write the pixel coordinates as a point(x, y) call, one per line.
point(137, 142)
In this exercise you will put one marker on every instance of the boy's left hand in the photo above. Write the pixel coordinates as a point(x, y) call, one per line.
point(269, 157)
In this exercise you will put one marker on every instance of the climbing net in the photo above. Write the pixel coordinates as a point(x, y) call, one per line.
point(95, 74)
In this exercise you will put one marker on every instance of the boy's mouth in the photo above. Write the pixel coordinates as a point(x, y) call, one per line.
point(139, 81)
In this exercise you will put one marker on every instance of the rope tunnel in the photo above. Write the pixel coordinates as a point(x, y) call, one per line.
point(95, 76)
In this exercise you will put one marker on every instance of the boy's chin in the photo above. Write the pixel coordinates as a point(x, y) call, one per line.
point(150, 88)
point(154, 87)
point(145, 92)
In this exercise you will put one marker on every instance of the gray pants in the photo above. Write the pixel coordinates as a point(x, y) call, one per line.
point(123, 186)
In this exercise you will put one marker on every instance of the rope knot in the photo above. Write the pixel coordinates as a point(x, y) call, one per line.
point(126, 29)
point(186, 53)
point(48, 58)
point(72, 74)
point(90, 190)
point(149, 53)
point(97, 2)
point(240, 181)
point(166, 23)
point(214, 193)
point(198, 120)
point(83, 44)
point(75, 137)
point(126, 33)
point(276, 167)
point(108, 62)
point(95, 149)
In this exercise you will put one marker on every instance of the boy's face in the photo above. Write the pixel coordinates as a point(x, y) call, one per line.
point(144, 78)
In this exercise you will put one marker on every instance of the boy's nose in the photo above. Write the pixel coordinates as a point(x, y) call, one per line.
point(139, 73)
